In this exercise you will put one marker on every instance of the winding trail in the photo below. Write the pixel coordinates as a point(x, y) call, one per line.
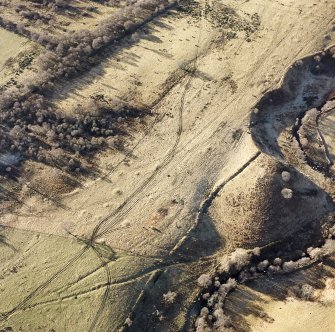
point(182, 146)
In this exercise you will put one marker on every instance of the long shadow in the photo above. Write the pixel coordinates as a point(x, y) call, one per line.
point(153, 39)
point(94, 71)
point(287, 227)
point(296, 223)
point(163, 25)
point(203, 240)
point(161, 53)
point(250, 299)
point(4, 242)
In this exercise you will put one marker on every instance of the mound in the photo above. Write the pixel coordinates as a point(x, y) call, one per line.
point(268, 202)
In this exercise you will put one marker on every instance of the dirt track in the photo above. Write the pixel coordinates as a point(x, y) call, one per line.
point(149, 201)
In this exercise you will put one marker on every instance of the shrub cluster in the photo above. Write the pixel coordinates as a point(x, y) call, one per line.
point(35, 131)
point(86, 42)
point(240, 266)
point(31, 127)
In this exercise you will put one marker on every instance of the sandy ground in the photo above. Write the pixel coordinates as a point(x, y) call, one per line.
point(150, 195)
point(208, 123)
point(270, 303)
point(311, 317)
point(17, 58)
point(139, 71)
point(81, 14)
point(10, 45)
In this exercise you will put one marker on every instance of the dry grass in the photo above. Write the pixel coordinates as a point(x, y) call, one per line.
point(147, 195)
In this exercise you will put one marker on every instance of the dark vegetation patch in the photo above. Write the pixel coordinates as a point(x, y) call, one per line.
point(223, 17)
point(33, 130)
point(31, 127)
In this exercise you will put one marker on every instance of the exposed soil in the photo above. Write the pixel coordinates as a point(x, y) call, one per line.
point(197, 177)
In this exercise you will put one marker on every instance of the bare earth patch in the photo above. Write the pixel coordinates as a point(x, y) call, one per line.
point(189, 187)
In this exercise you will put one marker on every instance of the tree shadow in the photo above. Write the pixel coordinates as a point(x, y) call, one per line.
point(161, 53)
point(97, 68)
point(251, 298)
point(4, 242)
point(162, 25)
point(153, 39)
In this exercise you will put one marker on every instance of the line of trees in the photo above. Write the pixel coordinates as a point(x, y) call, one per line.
point(30, 125)
point(242, 265)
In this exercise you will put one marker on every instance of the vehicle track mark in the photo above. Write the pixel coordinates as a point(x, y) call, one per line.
point(43, 286)
point(106, 224)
